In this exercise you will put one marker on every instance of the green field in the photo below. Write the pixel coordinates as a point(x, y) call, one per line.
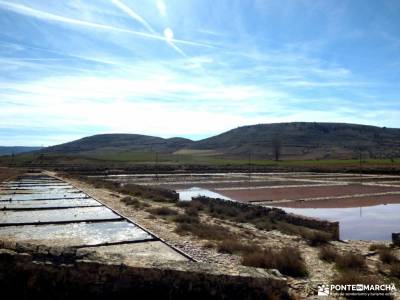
point(128, 158)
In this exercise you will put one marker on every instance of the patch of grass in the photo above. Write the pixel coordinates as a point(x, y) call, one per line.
point(162, 211)
point(234, 247)
point(287, 260)
point(328, 253)
point(351, 262)
point(352, 277)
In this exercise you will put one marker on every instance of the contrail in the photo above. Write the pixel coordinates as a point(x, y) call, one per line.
point(28, 11)
point(142, 21)
point(133, 14)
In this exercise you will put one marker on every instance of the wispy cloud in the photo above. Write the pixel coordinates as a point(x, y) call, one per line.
point(162, 8)
point(133, 14)
point(168, 33)
point(73, 68)
point(25, 10)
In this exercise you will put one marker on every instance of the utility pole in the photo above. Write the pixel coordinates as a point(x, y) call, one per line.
point(249, 168)
point(156, 165)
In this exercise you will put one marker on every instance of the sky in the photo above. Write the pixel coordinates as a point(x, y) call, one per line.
point(193, 68)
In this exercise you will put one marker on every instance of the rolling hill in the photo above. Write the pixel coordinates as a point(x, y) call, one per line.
point(119, 142)
point(302, 140)
point(298, 140)
point(5, 150)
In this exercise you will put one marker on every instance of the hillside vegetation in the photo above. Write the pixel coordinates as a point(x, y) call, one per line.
point(281, 145)
point(263, 141)
point(306, 141)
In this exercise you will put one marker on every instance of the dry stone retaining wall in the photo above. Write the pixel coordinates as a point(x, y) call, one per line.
point(49, 276)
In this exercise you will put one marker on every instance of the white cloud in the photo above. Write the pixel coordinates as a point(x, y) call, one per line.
point(162, 8)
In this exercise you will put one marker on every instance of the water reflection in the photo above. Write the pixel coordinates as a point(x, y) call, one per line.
point(359, 223)
point(187, 194)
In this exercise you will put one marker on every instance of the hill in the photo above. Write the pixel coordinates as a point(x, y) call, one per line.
point(301, 140)
point(4, 150)
point(297, 141)
point(119, 142)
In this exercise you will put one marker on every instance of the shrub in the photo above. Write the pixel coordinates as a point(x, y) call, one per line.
point(395, 270)
point(351, 261)
point(162, 211)
point(234, 246)
point(182, 204)
point(328, 253)
point(134, 202)
point(209, 245)
point(386, 256)
point(155, 193)
point(375, 247)
point(261, 217)
point(191, 211)
point(204, 231)
point(130, 201)
point(183, 218)
point(315, 237)
point(287, 260)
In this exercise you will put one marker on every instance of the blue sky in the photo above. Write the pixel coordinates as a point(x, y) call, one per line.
point(193, 68)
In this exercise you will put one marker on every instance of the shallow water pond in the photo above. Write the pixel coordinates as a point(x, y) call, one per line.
point(359, 223)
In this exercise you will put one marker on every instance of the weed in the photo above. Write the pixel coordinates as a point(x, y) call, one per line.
point(395, 270)
point(387, 257)
point(162, 211)
point(287, 260)
point(203, 231)
point(328, 253)
point(234, 246)
point(351, 262)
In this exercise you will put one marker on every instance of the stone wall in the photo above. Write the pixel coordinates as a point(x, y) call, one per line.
point(49, 276)
point(280, 214)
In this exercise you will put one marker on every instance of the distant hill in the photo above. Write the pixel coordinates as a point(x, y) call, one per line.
point(120, 142)
point(298, 140)
point(4, 150)
point(302, 140)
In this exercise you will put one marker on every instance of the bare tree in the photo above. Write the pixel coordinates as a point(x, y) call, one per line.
point(277, 146)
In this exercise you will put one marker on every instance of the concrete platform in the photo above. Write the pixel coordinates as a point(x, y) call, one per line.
point(79, 214)
point(46, 211)
point(42, 196)
point(46, 204)
point(76, 235)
